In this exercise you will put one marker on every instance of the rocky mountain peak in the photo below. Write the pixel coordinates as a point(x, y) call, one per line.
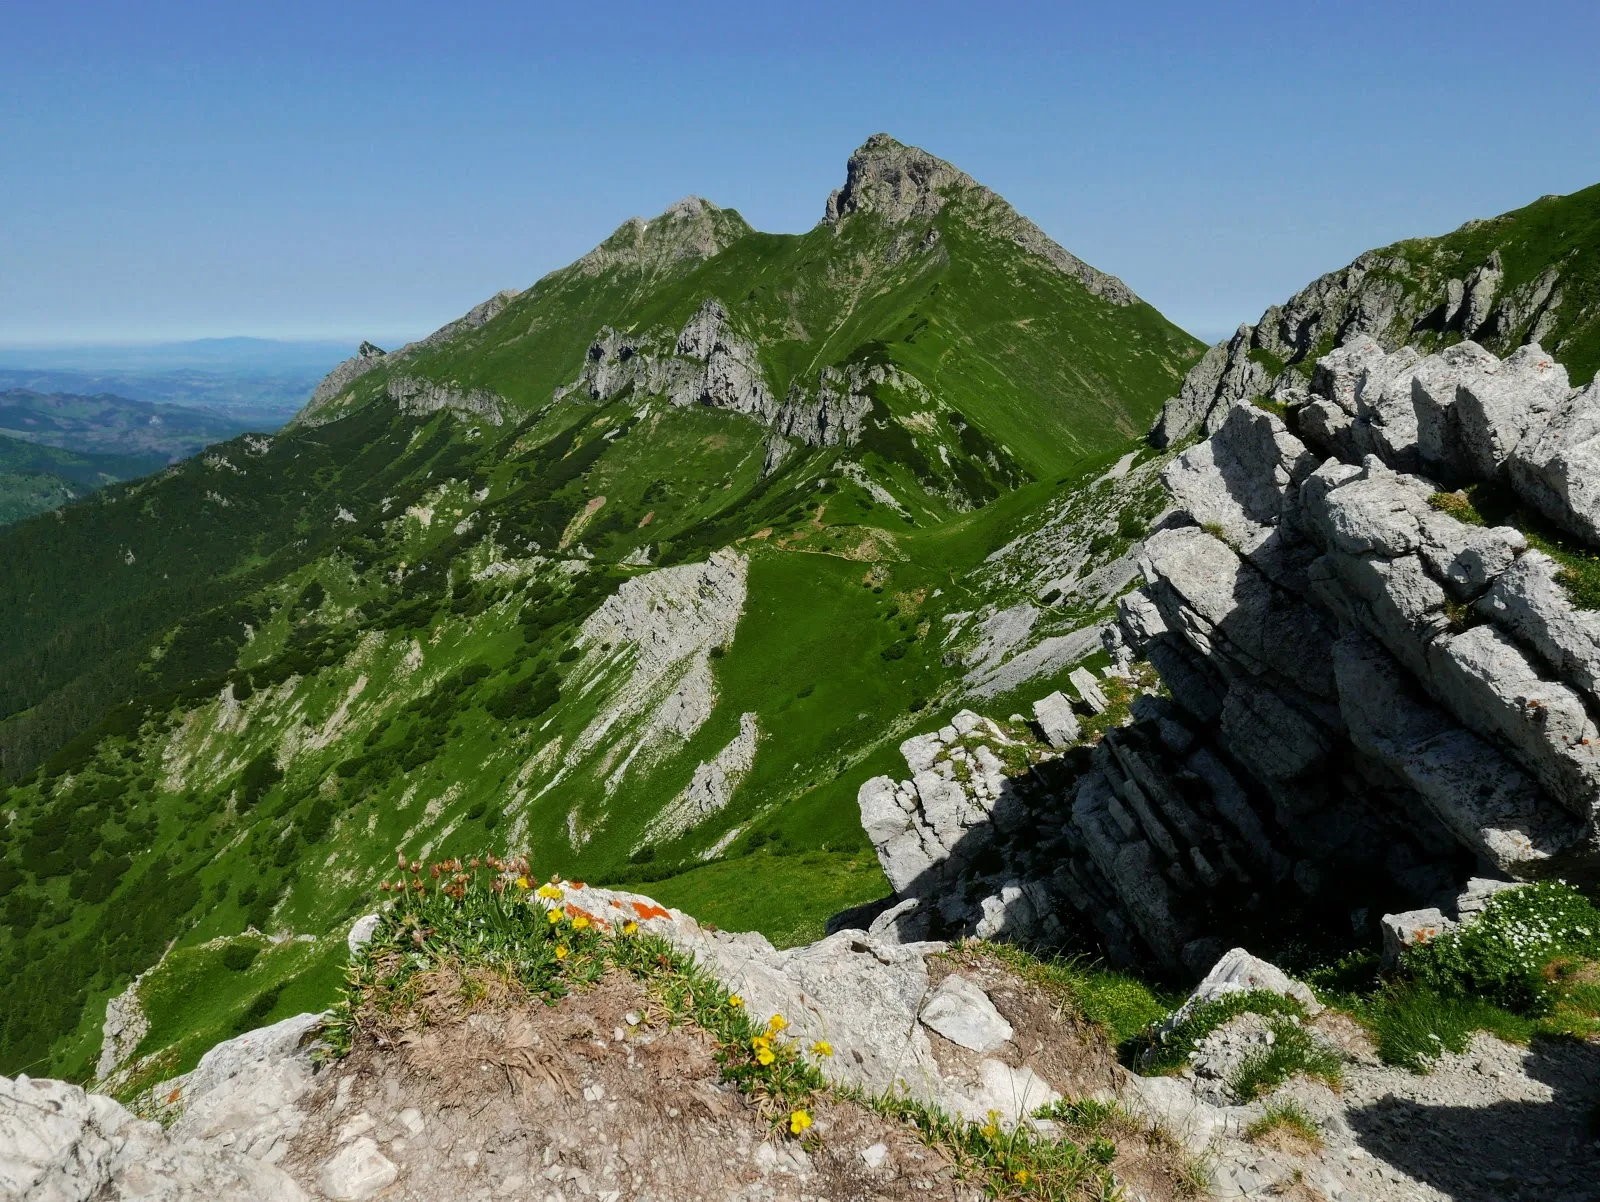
point(901, 184)
point(895, 181)
point(691, 228)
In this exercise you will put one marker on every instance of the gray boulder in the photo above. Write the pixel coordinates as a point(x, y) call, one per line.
point(60, 1144)
point(1497, 408)
point(961, 1011)
point(1407, 929)
point(1557, 469)
point(1475, 898)
point(1434, 387)
point(245, 1092)
point(1054, 714)
point(1529, 601)
point(1089, 689)
point(1373, 510)
point(361, 931)
point(1240, 972)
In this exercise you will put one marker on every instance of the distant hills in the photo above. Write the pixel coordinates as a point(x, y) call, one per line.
point(106, 424)
point(58, 447)
point(261, 381)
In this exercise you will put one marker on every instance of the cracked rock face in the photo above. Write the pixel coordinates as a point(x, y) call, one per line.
point(1338, 624)
point(1370, 699)
point(708, 362)
point(418, 398)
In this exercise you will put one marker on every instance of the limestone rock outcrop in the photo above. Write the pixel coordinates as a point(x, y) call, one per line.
point(1377, 690)
point(1389, 298)
point(369, 357)
point(708, 362)
point(1370, 699)
point(60, 1144)
point(419, 397)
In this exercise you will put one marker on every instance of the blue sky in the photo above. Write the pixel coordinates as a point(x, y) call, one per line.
point(189, 170)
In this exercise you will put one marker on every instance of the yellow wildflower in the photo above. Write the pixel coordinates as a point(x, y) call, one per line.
point(549, 893)
point(630, 928)
point(580, 922)
point(761, 1041)
point(561, 952)
point(734, 999)
point(524, 883)
point(777, 1023)
point(1021, 1176)
point(765, 1057)
point(553, 916)
point(822, 1048)
point(799, 1121)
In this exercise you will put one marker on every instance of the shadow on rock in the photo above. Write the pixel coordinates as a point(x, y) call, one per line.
point(1528, 1148)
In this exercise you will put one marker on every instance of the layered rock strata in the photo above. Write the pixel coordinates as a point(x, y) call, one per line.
point(1387, 692)
point(1370, 698)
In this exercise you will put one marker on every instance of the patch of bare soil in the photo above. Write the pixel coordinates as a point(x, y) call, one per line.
point(595, 1097)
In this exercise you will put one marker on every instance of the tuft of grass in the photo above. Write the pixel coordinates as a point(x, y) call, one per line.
point(1294, 1052)
point(1287, 1125)
point(1459, 506)
point(1119, 1004)
point(1414, 1025)
point(1119, 701)
point(1157, 1053)
point(1014, 1162)
point(1274, 365)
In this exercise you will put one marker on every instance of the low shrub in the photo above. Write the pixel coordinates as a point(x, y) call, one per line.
point(1157, 1053)
point(1503, 958)
point(1294, 1051)
point(237, 957)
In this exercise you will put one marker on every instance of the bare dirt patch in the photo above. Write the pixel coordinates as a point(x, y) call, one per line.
point(595, 1097)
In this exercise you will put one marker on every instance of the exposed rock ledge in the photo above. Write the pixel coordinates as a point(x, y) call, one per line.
point(418, 398)
point(370, 357)
point(261, 1118)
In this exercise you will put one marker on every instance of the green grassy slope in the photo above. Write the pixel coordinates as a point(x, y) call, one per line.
point(35, 477)
point(230, 693)
point(1548, 289)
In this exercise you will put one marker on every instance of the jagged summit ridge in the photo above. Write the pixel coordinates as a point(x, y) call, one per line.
point(691, 228)
point(900, 183)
